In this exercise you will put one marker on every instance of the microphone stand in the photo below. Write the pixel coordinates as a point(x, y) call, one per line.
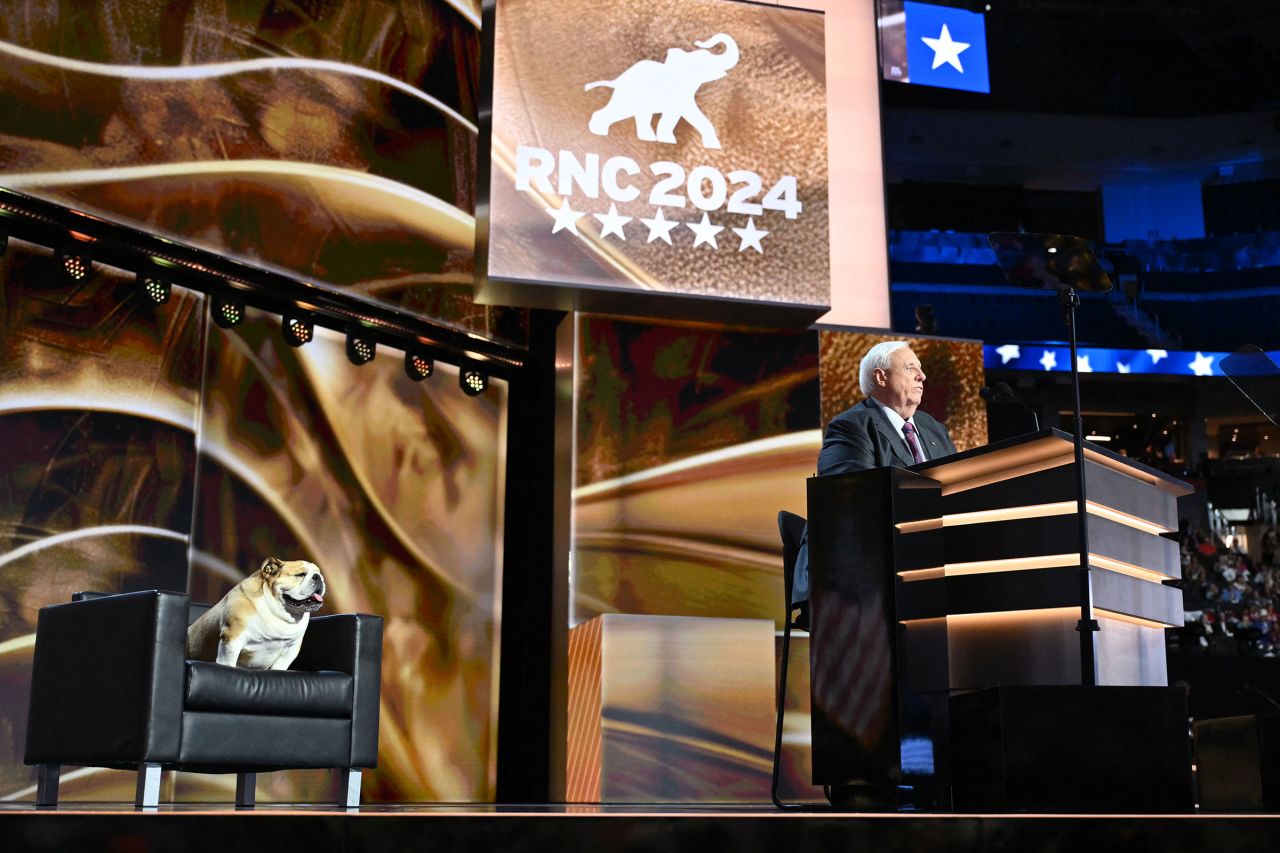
point(1067, 265)
point(1087, 624)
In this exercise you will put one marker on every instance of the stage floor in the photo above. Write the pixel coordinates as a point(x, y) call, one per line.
point(698, 829)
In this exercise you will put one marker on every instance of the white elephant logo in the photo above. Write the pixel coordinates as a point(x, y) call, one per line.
point(666, 89)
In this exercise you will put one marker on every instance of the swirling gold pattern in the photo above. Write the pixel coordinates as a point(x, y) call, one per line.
point(146, 449)
point(335, 141)
point(395, 489)
point(689, 440)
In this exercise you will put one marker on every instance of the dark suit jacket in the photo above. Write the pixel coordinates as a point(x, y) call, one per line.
point(863, 437)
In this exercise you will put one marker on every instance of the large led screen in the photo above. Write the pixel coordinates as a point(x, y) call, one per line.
point(335, 141)
point(147, 448)
point(673, 148)
point(689, 440)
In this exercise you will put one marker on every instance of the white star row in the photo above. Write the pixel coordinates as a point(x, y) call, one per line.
point(1201, 365)
point(659, 227)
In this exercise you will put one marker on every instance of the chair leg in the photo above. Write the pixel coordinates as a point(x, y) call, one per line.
point(349, 787)
point(246, 790)
point(148, 796)
point(47, 785)
point(782, 707)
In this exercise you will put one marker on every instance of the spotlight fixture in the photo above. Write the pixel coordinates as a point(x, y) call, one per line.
point(361, 347)
point(297, 329)
point(418, 365)
point(227, 310)
point(472, 380)
point(153, 288)
point(4, 241)
point(74, 263)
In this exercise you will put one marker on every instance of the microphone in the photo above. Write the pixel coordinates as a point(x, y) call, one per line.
point(1002, 394)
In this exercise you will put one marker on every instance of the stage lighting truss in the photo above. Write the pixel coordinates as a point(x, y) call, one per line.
point(227, 310)
point(418, 365)
point(472, 380)
point(297, 329)
point(361, 347)
point(74, 263)
point(153, 288)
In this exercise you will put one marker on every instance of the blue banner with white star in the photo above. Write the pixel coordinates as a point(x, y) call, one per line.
point(946, 47)
point(1050, 357)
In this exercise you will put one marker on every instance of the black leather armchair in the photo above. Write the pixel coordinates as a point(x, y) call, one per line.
point(110, 687)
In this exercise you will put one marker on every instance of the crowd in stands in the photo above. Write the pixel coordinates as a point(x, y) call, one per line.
point(940, 247)
point(1211, 294)
point(1232, 604)
point(1206, 254)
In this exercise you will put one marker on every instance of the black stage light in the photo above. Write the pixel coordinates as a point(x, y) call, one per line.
point(297, 329)
point(227, 310)
point(418, 365)
point(361, 347)
point(74, 263)
point(4, 241)
point(153, 287)
point(472, 380)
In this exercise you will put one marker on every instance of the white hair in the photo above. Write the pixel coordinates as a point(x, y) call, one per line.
point(878, 356)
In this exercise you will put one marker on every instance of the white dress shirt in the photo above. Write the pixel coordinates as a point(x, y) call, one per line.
point(897, 421)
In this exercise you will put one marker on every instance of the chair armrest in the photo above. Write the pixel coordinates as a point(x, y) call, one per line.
point(350, 643)
point(107, 680)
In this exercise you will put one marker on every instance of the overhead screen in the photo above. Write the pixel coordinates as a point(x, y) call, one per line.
point(688, 440)
point(931, 45)
point(333, 141)
point(680, 150)
point(146, 448)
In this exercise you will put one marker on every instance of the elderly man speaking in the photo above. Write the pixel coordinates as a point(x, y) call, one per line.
point(884, 429)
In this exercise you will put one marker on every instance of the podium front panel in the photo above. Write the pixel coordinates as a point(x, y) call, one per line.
point(855, 550)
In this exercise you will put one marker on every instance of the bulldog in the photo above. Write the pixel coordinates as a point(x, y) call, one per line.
point(259, 624)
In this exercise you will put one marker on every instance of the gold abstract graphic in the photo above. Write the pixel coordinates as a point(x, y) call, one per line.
point(670, 709)
point(148, 449)
point(756, 121)
point(99, 399)
point(690, 439)
point(395, 489)
point(334, 141)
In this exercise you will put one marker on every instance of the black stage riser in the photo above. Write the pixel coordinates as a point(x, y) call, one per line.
point(517, 833)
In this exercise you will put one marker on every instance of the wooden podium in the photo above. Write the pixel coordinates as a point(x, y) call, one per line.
point(963, 573)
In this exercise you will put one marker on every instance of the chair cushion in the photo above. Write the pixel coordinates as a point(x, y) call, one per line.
point(230, 689)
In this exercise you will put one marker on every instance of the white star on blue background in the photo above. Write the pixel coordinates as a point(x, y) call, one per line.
point(945, 50)
point(1008, 353)
point(1202, 365)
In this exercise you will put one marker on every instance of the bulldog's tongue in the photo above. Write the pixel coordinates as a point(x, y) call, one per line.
point(317, 597)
